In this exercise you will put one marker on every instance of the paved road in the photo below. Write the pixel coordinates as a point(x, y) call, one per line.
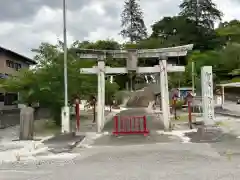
point(231, 106)
point(9, 133)
point(168, 161)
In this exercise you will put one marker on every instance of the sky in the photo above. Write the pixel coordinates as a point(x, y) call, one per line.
point(26, 23)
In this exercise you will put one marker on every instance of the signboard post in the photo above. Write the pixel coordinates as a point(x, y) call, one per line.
point(207, 95)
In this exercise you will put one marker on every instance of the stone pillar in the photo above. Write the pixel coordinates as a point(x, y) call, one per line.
point(164, 93)
point(223, 96)
point(101, 94)
point(65, 115)
point(26, 123)
point(207, 95)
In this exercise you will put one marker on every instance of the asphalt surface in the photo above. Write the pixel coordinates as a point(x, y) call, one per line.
point(63, 142)
point(110, 140)
point(230, 105)
point(168, 161)
point(137, 158)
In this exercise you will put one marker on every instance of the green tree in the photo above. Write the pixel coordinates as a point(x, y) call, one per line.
point(45, 83)
point(202, 12)
point(225, 63)
point(230, 57)
point(132, 22)
point(180, 30)
point(230, 31)
point(176, 30)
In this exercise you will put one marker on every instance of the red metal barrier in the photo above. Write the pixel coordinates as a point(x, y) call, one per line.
point(130, 125)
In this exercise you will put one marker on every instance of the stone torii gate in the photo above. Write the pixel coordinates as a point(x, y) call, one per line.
point(132, 59)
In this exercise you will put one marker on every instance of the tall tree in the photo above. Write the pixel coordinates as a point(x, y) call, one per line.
point(132, 21)
point(230, 31)
point(176, 30)
point(203, 12)
point(179, 30)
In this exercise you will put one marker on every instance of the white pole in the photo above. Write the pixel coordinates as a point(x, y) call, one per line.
point(101, 95)
point(193, 78)
point(99, 99)
point(164, 97)
point(223, 95)
point(164, 62)
point(65, 55)
point(65, 109)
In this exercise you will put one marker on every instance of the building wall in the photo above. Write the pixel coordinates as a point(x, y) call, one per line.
point(4, 68)
point(9, 66)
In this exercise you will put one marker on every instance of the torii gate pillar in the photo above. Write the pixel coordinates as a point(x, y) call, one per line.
point(101, 94)
point(164, 92)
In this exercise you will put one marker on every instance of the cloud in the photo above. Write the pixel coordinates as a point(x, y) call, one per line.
point(12, 10)
point(25, 24)
point(230, 8)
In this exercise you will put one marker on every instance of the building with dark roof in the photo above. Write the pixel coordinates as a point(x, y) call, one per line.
point(10, 63)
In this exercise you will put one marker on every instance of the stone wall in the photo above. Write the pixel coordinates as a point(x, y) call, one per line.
point(11, 117)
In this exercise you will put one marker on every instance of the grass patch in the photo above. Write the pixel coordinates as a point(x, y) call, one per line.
point(183, 118)
point(222, 123)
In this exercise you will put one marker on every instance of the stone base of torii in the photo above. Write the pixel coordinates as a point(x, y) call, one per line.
point(132, 56)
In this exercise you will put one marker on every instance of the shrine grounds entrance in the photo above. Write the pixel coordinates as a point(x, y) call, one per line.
point(132, 60)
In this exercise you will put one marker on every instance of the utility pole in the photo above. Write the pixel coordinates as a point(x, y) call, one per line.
point(65, 55)
point(65, 110)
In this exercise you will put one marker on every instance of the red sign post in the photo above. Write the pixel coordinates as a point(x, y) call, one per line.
point(77, 111)
point(174, 103)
